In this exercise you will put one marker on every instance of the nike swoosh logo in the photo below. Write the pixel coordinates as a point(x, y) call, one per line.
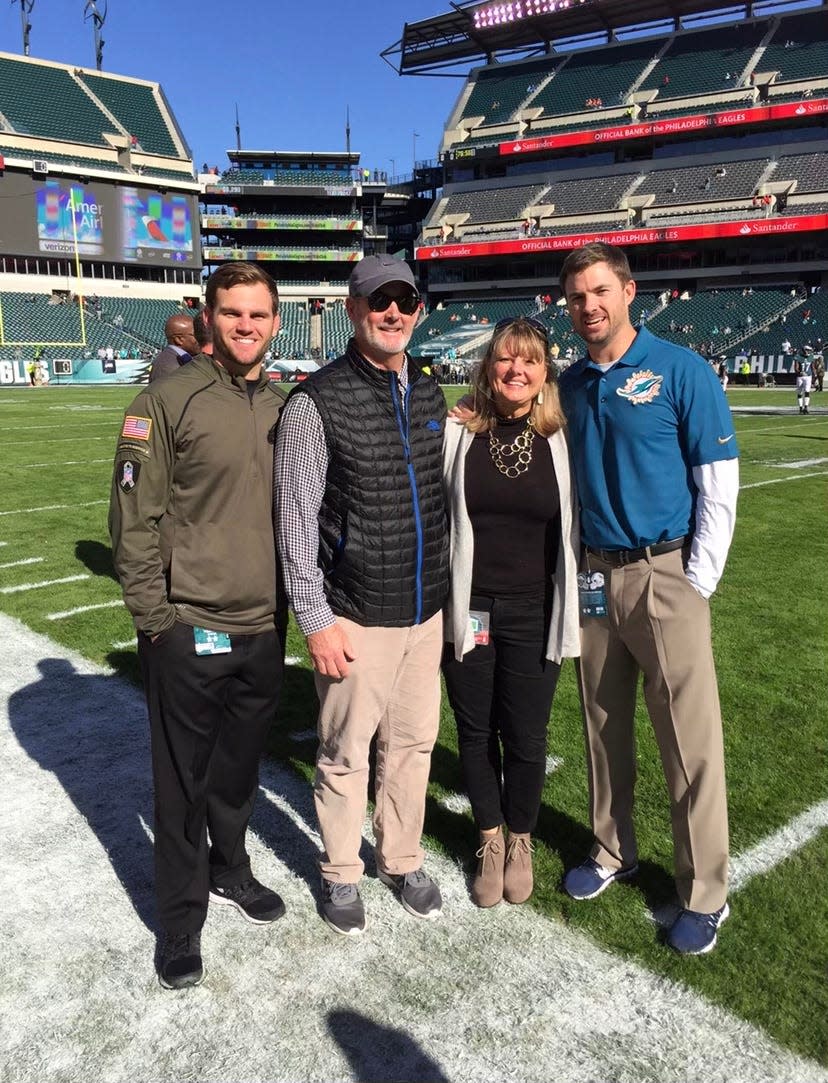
point(724, 439)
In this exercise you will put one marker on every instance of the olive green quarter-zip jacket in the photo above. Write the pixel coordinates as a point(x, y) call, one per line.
point(190, 508)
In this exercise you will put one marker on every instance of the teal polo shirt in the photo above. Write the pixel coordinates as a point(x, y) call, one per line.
point(635, 434)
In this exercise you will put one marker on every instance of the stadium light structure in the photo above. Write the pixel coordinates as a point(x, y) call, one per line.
point(98, 19)
point(25, 11)
point(494, 15)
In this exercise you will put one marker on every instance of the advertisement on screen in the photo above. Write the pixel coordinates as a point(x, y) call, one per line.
point(97, 219)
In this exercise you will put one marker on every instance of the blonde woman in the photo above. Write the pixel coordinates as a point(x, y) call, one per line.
point(513, 608)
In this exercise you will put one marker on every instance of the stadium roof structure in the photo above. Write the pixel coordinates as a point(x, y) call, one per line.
point(434, 45)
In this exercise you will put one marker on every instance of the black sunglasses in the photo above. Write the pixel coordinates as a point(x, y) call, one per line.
point(536, 325)
point(407, 304)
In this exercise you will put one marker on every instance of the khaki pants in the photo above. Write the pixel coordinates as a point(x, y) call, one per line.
point(393, 691)
point(657, 624)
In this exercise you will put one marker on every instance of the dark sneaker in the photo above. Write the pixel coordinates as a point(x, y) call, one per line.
point(695, 934)
point(341, 907)
point(590, 879)
point(253, 900)
point(418, 893)
point(179, 960)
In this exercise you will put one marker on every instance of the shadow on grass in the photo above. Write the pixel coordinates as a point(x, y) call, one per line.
point(93, 738)
point(378, 1053)
point(97, 557)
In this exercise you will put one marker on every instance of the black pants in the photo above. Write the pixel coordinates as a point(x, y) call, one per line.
point(209, 718)
point(501, 695)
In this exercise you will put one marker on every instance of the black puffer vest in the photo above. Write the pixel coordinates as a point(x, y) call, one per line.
point(383, 541)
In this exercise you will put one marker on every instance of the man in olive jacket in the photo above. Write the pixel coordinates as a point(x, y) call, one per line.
point(192, 539)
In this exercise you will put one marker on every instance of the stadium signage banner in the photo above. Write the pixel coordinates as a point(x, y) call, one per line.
point(668, 126)
point(562, 243)
point(306, 255)
point(227, 221)
point(13, 372)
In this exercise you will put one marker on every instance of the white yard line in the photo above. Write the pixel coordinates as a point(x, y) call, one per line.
point(54, 507)
point(775, 848)
point(44, 583)
point(85, 422)
point(20, 563)
point(125, 644)
point(778, 481)
point(84, 609)
point(67, 462)
point(112, 437)
point(801, 465)
point(504, 994)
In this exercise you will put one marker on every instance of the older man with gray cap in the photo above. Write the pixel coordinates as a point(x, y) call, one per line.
point(361, 530)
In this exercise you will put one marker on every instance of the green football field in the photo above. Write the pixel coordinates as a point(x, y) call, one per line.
point(771, 965)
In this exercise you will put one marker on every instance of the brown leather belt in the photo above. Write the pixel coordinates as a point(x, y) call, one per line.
point(619, 557)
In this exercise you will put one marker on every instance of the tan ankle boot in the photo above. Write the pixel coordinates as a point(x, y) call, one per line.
point(518, 881)
point(487, 886)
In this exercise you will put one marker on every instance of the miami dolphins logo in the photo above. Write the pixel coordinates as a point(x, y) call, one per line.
point(641, 387)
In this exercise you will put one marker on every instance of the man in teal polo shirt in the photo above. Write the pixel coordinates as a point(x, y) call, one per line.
point(655, 458)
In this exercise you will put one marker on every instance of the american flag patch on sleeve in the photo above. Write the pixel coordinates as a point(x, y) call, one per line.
point(137, 427)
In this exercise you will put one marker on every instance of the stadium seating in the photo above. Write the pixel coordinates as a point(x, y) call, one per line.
point(286, 177)
point(810, 171)
point(699, 62)
point(497, 205)
point(499, 91)
point(137, 110)
point(144, 318)
point(799, 48)
point(32, 318)
point(805, 323)
point(336, 329)
point(293, 340)
point(722, 318)
point(602, 74)
point(703, 183)
point(46, 101)
point(694, 63)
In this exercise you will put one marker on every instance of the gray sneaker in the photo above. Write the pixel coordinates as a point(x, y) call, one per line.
point(341, 907)
point(418, 892)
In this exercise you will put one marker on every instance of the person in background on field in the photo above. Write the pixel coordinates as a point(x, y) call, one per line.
point(513, 607)
point(655, 461)
point(192, 543)
point(723, 373)
point(181, 347)
point(203, 334)
point(360, 521)
point(817, 372)
point(804, 371)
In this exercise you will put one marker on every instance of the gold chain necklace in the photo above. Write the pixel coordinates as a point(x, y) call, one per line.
point(513, 459)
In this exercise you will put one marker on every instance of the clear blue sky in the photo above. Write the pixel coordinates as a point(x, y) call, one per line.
point(292, 67)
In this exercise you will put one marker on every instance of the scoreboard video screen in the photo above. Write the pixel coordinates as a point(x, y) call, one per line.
point(99, 219)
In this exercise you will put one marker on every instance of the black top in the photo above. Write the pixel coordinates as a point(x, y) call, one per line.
point(516, 520)
point(383, 543)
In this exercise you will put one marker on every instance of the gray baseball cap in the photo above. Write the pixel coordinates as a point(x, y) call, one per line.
point(374, 272)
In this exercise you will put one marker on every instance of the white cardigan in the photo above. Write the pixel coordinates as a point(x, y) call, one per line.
point(564, 626)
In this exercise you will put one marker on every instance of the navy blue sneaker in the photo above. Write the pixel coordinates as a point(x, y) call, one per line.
point(590, 879)
point(695, 934)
